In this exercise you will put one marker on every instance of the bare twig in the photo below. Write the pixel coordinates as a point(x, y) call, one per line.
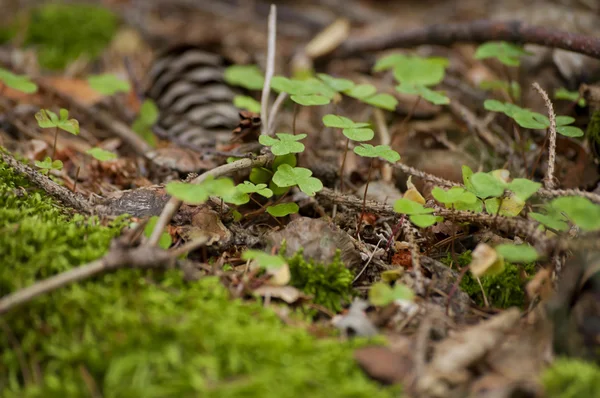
point(549, 182)
point(555, 193)
point(173, 204)
point(425, 176)
point(409, 233)
point(476, 32)
point(274, 111)
point(270, 69)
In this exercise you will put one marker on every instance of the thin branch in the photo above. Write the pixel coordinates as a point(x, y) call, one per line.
point(270, 69)
point(556, 193)
point(425, 176)
point(549, 181)
point(274, 111)
point(476, 32)
point(173, 204)
point(410, 233)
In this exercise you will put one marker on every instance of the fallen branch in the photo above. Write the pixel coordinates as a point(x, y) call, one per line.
point(476, 32)
point(549, 181)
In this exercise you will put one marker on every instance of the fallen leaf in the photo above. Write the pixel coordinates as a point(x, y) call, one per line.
point(485, 261)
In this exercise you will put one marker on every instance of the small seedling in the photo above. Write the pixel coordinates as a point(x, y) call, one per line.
point(581, 211)
point(283, 209)
point(507, 53)
point(48, 119)
point(17, 82)
point(517, 253)
point(196, 194)
point(418, 214)
point(382, 294)
point(288, 176)
point(165, 239)
point(284, 144)
point(457, 198)
point(573, 96)
point(147, 117)
point(101, 154)
point(246, 102)
point(108, 84)
point(247, 76)
point(242, 192)
point(48, 164)
point(310, 92)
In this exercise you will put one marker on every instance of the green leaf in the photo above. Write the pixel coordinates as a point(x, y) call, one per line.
point(531, 120)
point(389, 62)
point(359, 134)
point(494, 105)
point(569, 131)
point(424, 220)
point(361, 91)
point(247, 76)
point(283, 209)
point(284, 144)
point(237, 197)
point(524, 188)
point(383, 101)
point(435, 97)
point(485, 185)
point(310, 100)
point(419, 71)
point(108, 84)
point(564, 94)
point(287, 176)
point(101, 154)
point(165, 239)
point(260, 175)
point(406, 206)
point(453, 195)
point(287, 159)
point(261, 189)
point(246, 102)
point(581, 211)
point(379, 151)
point(48, 164)
point(335, 83)
point(564, 120)
point(554, 221)
point(264, 260)
point(467, 174)
point(509, 206)
point(341, 122)
point(17, 82)
point(148, 113)
point(381, 294)
point(507, 53)
point(198, 193)
point(476, 207)
point(48, 119)
point(517, 253)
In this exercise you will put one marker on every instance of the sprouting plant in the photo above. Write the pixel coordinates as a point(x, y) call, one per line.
point(283, 209)
point(417, 213)
point(382, 294)
point(247, 76)
point(101, 154)
point(108, 84)
point(48, 119)
point(458, 198)
point(198, 193)
point(17, 82)
point(147, 117)
point(529, 119)
point(246, 102)
point(508, 54)
point(165, 239)
point(288, 176)
point(48, 164)
point(416, 75)
point(284, 144)
point(574, 96)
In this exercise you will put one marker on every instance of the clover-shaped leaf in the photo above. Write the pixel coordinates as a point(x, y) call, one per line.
point(165, 240)
point(198, 193)
point(517, 253)
point(435, 97)
point(49, 119)
point(261, 189)
point(420, 71)
point(101, 154)
point(361, 91)
point(336, 83)
point(383, 101)
point(382, 294)
point(564, 94)
point(389, 62)
point(284, 144)
point(553, 220)
point(581, 211)
point(509, 206)
point(246, 102)
point(288, 176)
point(359, 134)
point(17, 82)
point(247, 76)
point(283, 209)
point(486, 185)
point(454, 195)
point(260, 175)
point(531, 120)
point(108, 84)
point(523, 188)
point(507, 53)
point(287, 159)
point(310, 99)
point(264, 260)
point(341, 122)
point(309, 88)
point(379, 151)
point(418, 214)
point(48, 164)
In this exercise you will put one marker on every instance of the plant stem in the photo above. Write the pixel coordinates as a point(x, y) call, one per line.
point(294, 120)
point(343, 164)
point(76, 177)
point(55, 140)
point(362, 213)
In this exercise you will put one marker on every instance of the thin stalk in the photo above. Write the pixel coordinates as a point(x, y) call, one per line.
point(362, 213)
point(76, 177)
point(294, 120)
point(55, 140)
point(343, 165)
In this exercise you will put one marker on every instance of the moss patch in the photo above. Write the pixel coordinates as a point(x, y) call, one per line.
point(572, 378)
point(138, 333)
point(502, 291)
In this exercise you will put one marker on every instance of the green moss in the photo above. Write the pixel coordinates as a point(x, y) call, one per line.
point(329, 284)
point(502, 291)
point(63, 32)
point(571, 378)
point(137, 333)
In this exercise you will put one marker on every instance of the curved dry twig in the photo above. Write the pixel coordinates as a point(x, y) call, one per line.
point(549, 181)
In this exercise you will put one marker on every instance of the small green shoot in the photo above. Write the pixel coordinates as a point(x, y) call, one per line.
point(288, 176)
point(108, 84)
point(283, 209)
point(284, 144)
point(507, 53)
point(165, 239)
point(517, 253)
point(196, 194)
point(48, 164)
point(418, 214)
point(101, 154)
point(457, 198)
point(17, 82)
point(382, 294)
point(573, 96)
point(351, 130)
point(242, 193)
point(246, 102)
point(147, 117)
point(247, 76)
point(48, 119)
point(379, 151)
